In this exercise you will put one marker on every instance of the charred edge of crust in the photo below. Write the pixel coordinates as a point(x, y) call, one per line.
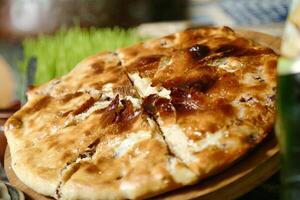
point(72, 166)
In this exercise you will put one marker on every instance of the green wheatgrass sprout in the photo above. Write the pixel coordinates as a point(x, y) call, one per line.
point(57, 54)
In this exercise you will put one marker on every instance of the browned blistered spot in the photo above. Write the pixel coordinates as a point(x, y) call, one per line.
point(148, 104)
point(198, 51)
point(203, 84)
point(145, 63)
point(127, 116)
point(212, 127)
point(110, 112)
point(14, 123)
point(259, 87)
point(87, 133)
point(32, 124)
point(113, 79)
point(194, 35)
point(96, 85)
point(164, 106)
point(228, 49)
point(66, 155)
point(92, 169)
point(184, 101)
point(170, 37)
point(85, 106)
point(202, 81)
point(238, 48)
point(227, 84)
point(53, 143)
point(66, 98)
point(272, 63)
point(98, 67)
point(133, 52)
point(42, 103)
point(271, 67)
point(123, 115)
point(154, 103)
point(113, 70)
point(226, 108)
point(218, 155)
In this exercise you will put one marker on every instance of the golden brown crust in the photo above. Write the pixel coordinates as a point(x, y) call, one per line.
point(220, 85)
point(90, 74)
point(133, 164)
point(91, 135)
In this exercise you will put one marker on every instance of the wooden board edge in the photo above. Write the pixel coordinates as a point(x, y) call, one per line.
point(16, 182)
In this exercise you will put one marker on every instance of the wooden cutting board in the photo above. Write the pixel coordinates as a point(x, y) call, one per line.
point(237, 180)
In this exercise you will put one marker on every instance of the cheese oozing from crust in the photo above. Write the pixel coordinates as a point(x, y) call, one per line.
point(145, 89)
point(135, 101)
point(130, 141)
point(180, 174)
point(211, 139)
point(178, 143)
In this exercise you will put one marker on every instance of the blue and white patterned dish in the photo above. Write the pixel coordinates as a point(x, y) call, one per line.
point(8, 192)
point(238, 12)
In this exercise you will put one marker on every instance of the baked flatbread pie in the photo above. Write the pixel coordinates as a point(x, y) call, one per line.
point(146, 119)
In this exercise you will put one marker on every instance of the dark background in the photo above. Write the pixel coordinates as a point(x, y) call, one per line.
point(21, 18)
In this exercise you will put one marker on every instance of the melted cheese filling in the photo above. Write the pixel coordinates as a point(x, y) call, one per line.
point(178, 143)
point(135, 101)
point(131, 140)
point(145, 89)
point(97, 106)
point(180, 173)
point(91, 91)
point(107, 90)
point(211, 139)
point(227, 64)
point(185, 148)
